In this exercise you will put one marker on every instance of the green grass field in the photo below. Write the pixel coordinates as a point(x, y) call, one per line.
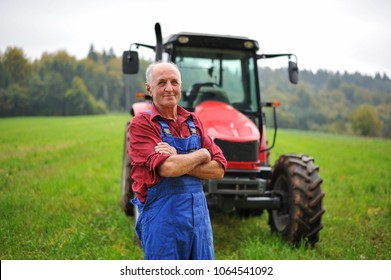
point(60, 183)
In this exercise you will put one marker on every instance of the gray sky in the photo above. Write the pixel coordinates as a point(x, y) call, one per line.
point(351, 35)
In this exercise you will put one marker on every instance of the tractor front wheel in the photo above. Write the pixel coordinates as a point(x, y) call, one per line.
point(126, 184)
point(296, 180)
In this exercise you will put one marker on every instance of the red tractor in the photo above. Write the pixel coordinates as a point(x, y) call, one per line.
point(220, 84)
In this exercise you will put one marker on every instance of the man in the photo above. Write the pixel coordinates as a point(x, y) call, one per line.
point(170, 154)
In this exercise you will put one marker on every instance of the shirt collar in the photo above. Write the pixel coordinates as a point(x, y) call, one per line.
point(181, 112)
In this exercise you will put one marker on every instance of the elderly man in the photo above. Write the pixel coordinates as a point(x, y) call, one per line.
point(170, 154)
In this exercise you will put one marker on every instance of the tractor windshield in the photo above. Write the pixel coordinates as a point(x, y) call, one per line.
point(214, 74)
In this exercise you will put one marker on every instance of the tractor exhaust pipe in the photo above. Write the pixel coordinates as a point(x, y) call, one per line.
point(159, 42)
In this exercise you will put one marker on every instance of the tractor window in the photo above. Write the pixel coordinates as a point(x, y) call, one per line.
point(224, 75)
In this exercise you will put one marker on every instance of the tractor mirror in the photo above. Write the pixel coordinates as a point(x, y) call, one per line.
point(130, 62)
point(293, 72)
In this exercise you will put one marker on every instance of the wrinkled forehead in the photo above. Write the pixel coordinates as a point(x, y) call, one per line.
point(166, 71)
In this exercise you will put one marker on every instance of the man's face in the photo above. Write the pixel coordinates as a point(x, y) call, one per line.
point(166, 87)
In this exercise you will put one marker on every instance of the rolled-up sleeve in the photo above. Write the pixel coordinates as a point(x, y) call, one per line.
point(143, 137)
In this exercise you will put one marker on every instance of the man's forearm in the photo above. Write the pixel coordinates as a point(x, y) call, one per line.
point(210, 170)
point(178, 165)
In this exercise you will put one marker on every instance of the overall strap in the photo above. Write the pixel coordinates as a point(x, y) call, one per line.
point(165, 129)
point(191, 125)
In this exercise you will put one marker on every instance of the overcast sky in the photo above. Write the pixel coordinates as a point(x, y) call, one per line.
point(335, 35)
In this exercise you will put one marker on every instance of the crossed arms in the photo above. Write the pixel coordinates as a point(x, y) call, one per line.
point(198, 163)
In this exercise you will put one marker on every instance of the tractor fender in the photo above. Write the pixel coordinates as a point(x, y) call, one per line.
point(138, 107)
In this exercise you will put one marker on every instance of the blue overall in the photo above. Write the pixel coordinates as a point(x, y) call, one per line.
point(174, 221)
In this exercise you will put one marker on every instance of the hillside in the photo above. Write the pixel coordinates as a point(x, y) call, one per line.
point(332, 102)
point(59, 84)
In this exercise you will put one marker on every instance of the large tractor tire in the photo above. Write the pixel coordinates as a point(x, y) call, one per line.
point(126, 190)
point(296, 180)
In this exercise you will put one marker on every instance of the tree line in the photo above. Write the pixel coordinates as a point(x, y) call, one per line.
point(331, 102)
point(58, 84)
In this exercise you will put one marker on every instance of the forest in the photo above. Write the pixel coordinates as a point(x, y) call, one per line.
point(58, 84)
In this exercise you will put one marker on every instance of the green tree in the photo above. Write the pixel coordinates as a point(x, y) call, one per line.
point(56, 72)
point(15, 68)
point(384, 111)
point(366, 121)
point(79, 101)
point(14, 101)
point(104, 79)
point(60, 62)
point(40, 99)
point(115, 84)
point(92, 54)
point(5, 105)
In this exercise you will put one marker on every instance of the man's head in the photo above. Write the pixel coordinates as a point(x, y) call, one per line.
point(163, 84)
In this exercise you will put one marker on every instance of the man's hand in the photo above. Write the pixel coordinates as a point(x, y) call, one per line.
point(164, 148)
point(207, 154)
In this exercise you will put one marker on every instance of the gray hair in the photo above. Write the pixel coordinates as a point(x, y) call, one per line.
point(149, 71)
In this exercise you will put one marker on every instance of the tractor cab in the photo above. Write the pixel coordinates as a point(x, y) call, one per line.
point(216, 68)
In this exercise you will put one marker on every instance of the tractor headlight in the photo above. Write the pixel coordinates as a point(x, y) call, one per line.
point(183, 39)
point(248, 44)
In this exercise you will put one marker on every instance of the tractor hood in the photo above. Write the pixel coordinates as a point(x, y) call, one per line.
point(224, 122)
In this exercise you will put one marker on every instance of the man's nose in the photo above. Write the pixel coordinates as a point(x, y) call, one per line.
point(168, 87)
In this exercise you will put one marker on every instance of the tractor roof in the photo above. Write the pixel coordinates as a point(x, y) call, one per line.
point(212, 40)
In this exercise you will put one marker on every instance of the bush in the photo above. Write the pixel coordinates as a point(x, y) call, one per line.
point(366, 121)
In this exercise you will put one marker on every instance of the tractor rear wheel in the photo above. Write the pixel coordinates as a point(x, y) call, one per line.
point(126, 190)
point(296, 180)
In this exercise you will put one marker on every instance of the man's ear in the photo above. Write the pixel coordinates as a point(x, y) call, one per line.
point(148, 89)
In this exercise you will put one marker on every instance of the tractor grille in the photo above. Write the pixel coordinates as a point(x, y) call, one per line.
point(239, 151)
